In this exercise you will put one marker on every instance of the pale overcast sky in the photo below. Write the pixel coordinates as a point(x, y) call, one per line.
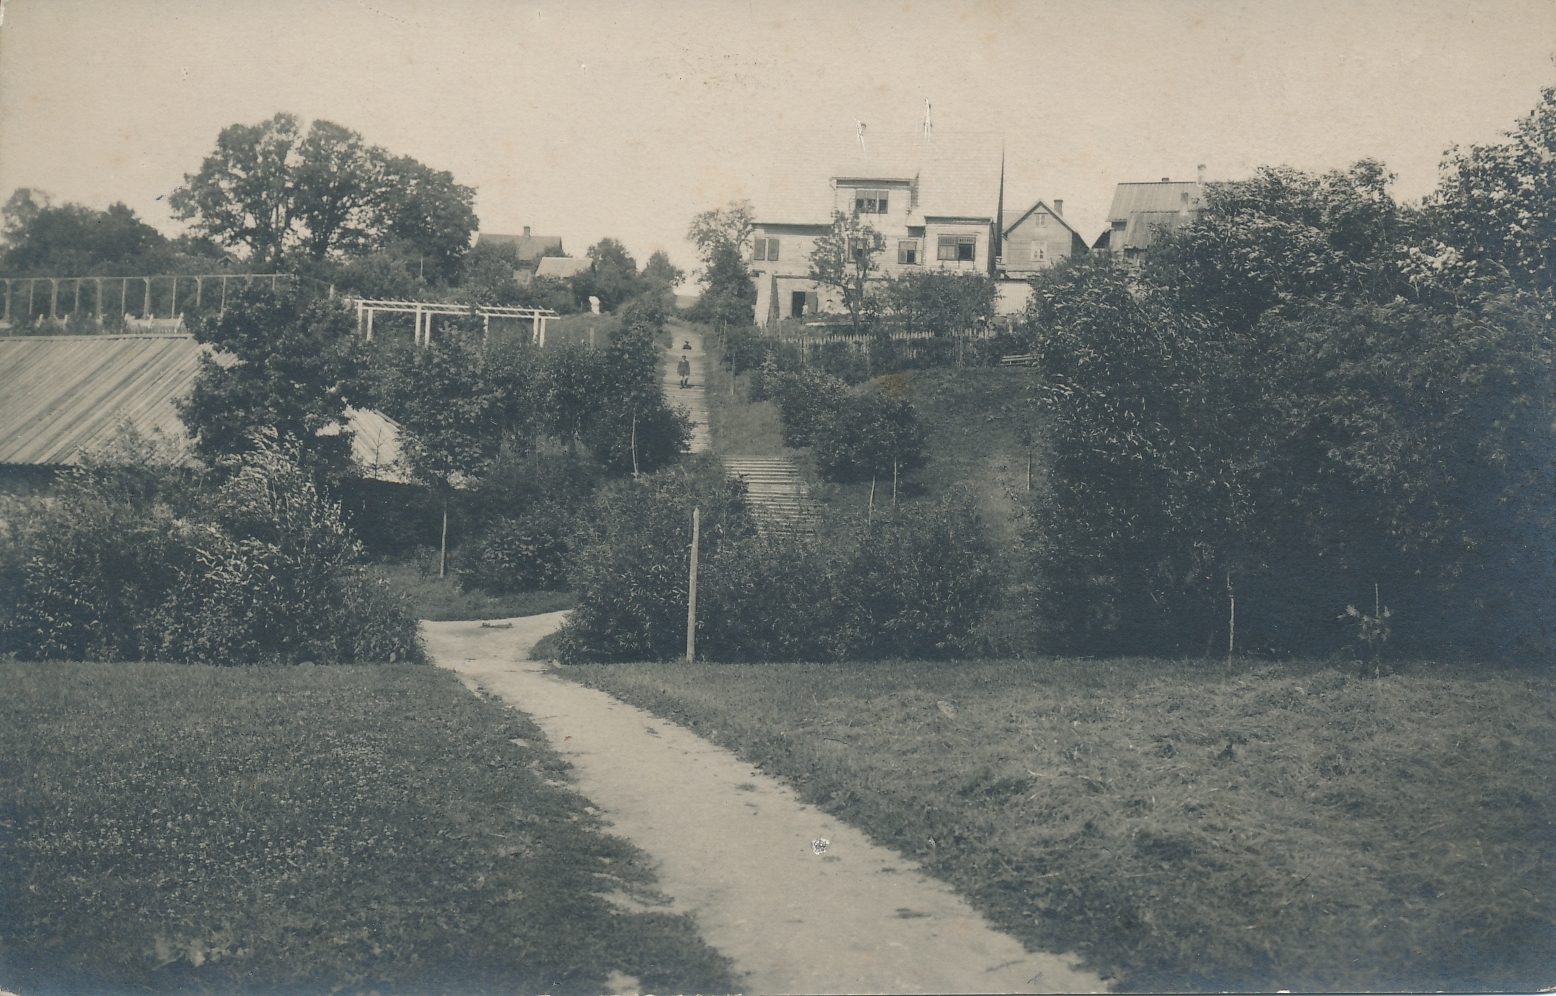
point(589, 119)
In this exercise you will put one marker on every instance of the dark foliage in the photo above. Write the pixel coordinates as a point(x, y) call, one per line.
point(147, 564)
point(280, 365)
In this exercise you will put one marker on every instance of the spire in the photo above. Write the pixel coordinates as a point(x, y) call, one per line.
point(997, 249)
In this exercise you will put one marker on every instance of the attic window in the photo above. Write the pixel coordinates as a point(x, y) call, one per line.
point(1042, 220)
point(869, 201)
point(960, 248)
point(764, 250)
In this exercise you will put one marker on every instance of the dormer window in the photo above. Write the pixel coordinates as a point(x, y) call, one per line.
point(868, 201)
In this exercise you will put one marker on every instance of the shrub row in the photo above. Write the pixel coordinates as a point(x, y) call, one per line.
point(150, 564)
point(915, 584)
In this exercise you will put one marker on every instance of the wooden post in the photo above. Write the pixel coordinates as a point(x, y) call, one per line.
point(99, 302)
point(53, 298)
point(1231, 621)
point(145, 308)
point(172, 305)
point(197, 293)
point(893, 482)
point(443, 543)
point(370, 325)
point(691, 594)
point(869, 521)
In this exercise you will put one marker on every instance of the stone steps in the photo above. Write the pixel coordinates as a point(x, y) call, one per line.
point(778, 496)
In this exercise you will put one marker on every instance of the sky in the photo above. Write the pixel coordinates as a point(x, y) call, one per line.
point(587, 120)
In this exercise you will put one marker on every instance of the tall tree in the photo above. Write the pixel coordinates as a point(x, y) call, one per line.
point(612, 275)
point(271, 189)
point(721, 236)
point(243, 195)
point(1496, 203)
point(72, 239)
point(844, 258)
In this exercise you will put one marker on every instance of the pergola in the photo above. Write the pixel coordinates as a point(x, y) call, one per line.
point(424, 310)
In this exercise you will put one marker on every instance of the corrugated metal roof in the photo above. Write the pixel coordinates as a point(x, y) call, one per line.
point(958, 174)
point(64, 396)
point(1129, 198)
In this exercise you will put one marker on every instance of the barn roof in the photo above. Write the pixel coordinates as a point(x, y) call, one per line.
point(62, 397)
point(530, 247)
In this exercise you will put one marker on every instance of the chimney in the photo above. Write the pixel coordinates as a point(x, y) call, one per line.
point(1166, 179)
point(526, 227)
point(1059, 207)
point(1201, 172)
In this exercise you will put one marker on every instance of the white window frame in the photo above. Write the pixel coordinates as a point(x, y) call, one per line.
point(952, 244)
point(909, 247)
point(871, 200)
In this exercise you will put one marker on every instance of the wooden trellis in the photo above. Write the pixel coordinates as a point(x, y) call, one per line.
point(424, 310)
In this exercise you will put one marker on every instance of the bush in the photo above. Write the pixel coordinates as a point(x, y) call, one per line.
point(631, 569)
point(527, 552)
point(917, 584)
point(913, 585)
point(129, 565)
point(867, 436)
point(805, 399)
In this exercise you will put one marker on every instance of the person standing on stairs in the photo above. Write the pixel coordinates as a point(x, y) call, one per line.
point(684, 368)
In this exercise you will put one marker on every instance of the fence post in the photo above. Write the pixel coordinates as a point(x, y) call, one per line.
point(691, 596)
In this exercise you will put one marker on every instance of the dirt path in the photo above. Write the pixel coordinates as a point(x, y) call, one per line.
point(742, 853)
point(692, 398)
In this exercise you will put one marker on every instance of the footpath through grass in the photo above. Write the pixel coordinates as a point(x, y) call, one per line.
point(1183, 825)
point(442, 599)
point(308, 829)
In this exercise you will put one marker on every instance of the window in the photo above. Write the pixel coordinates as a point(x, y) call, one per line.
point(763, 250)
point(1039, 252)
point(858, 247)
point(869, 201)
point(907, 251)
point(961, 248)
point(1042, 220)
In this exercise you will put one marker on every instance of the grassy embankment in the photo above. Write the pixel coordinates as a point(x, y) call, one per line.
point(1182, 825)
point(320, 829)
point(442, 599)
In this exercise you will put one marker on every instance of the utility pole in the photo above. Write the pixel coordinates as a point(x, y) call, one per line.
point(691, 597)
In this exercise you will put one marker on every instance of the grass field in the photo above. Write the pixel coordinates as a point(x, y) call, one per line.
point(1183, 825)
point(307, 829)
point(441, 599)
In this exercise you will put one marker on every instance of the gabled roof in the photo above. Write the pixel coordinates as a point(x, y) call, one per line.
point(529, 247)
point(958, 175)
point(1032, 210)
point(562, 267)
point(1167, 195)
point(62, 397)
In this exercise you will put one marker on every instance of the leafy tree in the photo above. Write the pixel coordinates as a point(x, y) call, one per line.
point(1495, 205)
point(1284, 240)
point(867, 436)
point(242, 195)
point(721, 236)
point(280, 365)
point(271, 189)
point(72, 239)
point(845, 258)
point(728, 297)
point(424, 210)
point(942, 302)
point(459, 400)
point(20, 209)
point(612, 276)
point(662, 274)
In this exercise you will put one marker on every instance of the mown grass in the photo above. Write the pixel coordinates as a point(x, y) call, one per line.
point(442, 599)
point(1183, 825)
point(306, 829)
